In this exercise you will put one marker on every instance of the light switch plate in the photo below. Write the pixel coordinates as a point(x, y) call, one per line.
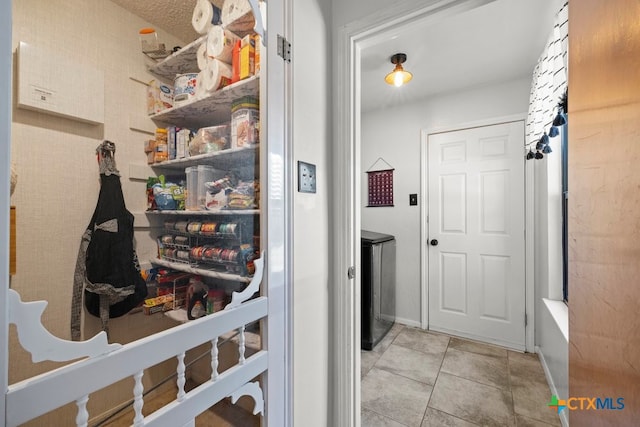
point(413, 199)
point(306, 177)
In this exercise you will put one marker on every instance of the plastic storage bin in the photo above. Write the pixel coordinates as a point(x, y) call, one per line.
point(206, 173)
point(192, 189)
point(210, 139)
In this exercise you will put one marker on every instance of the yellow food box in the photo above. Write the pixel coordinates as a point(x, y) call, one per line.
point(247, 57)
point(157, 304)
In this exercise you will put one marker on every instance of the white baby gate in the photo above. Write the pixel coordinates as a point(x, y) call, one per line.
point(105, 364)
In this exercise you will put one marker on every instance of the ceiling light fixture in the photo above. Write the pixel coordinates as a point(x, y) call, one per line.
point(398, 76)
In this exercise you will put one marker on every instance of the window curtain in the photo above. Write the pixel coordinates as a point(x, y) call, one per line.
point(549, 80)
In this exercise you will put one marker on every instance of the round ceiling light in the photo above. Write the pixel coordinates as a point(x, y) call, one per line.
point(398, 76)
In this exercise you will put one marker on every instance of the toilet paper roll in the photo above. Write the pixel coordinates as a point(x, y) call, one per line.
point(237, 17)
point(220, 43)
point(200, 83)
point(202, 16)
point(216, 76)
point(202, 56)
point(184, 88)
point(204, 81)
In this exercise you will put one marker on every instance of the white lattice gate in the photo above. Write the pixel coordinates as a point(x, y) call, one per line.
point(105, 364)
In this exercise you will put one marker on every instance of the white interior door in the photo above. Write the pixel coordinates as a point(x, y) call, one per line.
point(476, 233)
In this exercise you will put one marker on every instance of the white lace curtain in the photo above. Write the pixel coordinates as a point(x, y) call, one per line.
point(549, 80)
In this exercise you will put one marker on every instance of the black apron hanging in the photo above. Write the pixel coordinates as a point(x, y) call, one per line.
point(107, 270)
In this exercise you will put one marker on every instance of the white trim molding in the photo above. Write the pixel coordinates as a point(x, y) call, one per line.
point(278, 228)
point(564, 418)
point(5, 156)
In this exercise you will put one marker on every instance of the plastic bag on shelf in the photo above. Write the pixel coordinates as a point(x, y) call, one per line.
point(168, 195)
point(209, 140)
point(244, 196)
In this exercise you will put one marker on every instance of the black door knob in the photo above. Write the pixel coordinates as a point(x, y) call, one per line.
point(434, 242)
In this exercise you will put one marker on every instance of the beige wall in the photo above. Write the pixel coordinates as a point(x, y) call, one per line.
point(58, 175)
point(604, 207)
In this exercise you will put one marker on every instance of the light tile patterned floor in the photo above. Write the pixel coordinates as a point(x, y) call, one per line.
point(415, 378)
point(222, 414)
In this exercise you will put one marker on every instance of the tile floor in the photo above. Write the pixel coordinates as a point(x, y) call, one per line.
point(222, 414)
point(415, 378)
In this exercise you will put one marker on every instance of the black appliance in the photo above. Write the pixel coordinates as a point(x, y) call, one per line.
point(378, 286)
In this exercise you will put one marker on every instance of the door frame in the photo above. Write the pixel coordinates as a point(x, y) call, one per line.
point(528, 221)
point(348, 43)
point(279, 223)
point(5, 156)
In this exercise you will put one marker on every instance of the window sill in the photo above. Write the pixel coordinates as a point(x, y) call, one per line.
point(560, 313)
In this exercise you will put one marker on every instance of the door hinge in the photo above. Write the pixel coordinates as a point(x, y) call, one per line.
point(351, 273)
point(284, 48)
point(526, 320)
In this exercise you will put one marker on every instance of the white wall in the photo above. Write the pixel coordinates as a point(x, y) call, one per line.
point(347, 11)
point(394, 135)
point(311, 138)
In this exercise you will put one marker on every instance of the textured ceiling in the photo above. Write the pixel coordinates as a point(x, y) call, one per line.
point(173, 16)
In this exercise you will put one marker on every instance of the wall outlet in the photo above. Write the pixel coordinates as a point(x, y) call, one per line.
point(306, 177)
point(413, 199)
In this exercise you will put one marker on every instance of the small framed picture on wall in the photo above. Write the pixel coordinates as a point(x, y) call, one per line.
point(380, 186)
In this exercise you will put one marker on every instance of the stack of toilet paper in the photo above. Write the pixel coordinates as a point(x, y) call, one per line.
point(214, 60)
point(235, 16)
point(213, 77)
point(223, 29)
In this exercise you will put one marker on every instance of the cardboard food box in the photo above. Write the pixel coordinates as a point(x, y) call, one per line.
point(247, 57)
point(159, 97)
point(158, 304)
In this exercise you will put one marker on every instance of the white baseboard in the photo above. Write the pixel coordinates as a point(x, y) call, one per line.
point(564, 418)
point(408, 322)
point(501, 343)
